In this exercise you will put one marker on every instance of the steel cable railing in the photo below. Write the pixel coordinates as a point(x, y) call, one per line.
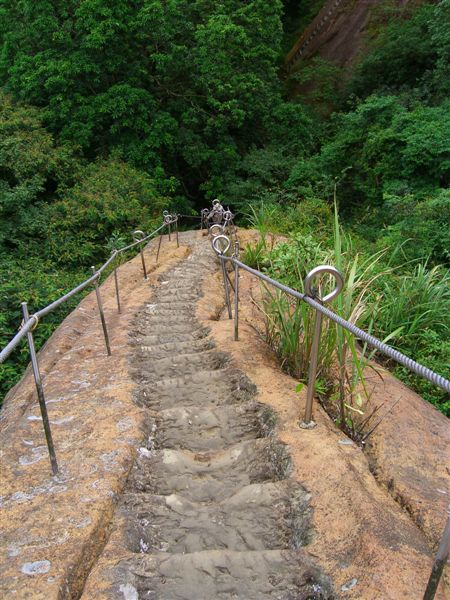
point(222, 244)
point(30, 322)
point(317, 304)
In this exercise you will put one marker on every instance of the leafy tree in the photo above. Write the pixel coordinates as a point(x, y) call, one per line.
point(31, 167)
point(181, 86)
point(409, 53)
point(379, 142)
point(110, 196)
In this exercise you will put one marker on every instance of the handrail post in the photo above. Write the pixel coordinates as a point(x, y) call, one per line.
point(236, 293)
point(40, 393)
point(439, 562)
point(176, 230)
point(159, 245)
point(143, 262)
point(220, 253)
point(308, 423)
point(116, 283)
point(312, 374)
point(102, 314)
point(225, 283)
point(137, 236)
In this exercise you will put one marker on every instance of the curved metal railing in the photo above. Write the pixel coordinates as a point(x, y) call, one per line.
point(30, 322)
point(222, 244)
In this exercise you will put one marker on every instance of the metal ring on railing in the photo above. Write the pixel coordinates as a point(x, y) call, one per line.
point(35, 324)
point(168, 218)
point(215, 244)
point(216, 229)
point(319, 271)
point(138, 235)
point(228, 216)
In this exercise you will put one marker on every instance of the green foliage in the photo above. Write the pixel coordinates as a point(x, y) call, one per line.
point(322, 80)
point(419, 225)
point(416, 306)
point(380, 142)
point(169, 85)
point(290, 327)
point(410, 53)
point(433, 351)
point(37, 282)
point(30, 164)
point(110, 197)
point(408, 309)
point(311, 217)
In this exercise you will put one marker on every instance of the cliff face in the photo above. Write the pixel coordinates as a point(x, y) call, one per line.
point(339, 31)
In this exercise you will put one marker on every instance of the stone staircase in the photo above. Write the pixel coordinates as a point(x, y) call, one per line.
point(209, 511)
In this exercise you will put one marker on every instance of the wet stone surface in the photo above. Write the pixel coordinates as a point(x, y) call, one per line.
point(209, 510)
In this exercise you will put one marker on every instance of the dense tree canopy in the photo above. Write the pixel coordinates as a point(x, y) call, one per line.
point(112, 111)
point(184, 87)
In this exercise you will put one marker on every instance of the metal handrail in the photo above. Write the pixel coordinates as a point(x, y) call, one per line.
point(221, 245)
point(35, 317)
point(399, 357)
point(30, 322)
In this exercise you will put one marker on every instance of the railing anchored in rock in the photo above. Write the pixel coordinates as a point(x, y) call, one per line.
point(222, 230)
point(222, 244)
point(30, 322)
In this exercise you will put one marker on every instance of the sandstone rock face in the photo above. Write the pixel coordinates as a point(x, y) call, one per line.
point(184, 474)
point(209, 510)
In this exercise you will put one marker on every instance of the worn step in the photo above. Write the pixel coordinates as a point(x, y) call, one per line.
point(201, 388)
point(168, 296)
point(188, 283)
point(202, 377)
point(209, 476)
point(162, 326)
point(167, 311)
point(221, 575)
point(181, 364)
point(210, 427)
point(165, 350)
point(262, 516)
point(169, 337)
point(174, 306)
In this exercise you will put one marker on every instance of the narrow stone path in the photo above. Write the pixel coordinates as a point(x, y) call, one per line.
point(209, 511)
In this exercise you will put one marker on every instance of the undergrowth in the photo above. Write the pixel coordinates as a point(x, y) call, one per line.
point(406, 306)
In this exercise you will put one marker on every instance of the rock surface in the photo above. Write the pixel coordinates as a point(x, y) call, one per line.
point(184, 473)
point(209, 510)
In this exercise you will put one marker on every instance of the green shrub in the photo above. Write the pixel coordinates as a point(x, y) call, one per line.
point(419, 225)
point(39, 283)
point(110, 197)
point(412, 303)
point(433, 351)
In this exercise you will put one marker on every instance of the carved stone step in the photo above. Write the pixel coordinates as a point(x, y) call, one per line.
point(221, 575)
point(212, 428)
point(209, 476)
point(262, 516)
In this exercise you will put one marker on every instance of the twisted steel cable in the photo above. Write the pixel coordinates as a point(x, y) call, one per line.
point(387, 350)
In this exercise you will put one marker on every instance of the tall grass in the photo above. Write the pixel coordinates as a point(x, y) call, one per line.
point(407, 306)
point(413, 302)
point(290, 325)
